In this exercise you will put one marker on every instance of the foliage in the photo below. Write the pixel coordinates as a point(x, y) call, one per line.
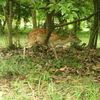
point(69, 9)
point(3, 2)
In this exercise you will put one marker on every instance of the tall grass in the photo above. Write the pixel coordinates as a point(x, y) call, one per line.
point(3, 41)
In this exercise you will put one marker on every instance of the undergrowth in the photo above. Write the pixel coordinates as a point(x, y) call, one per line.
point(30, 79)
point(73, 77)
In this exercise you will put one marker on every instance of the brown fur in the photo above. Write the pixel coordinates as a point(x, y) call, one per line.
point(39, 35)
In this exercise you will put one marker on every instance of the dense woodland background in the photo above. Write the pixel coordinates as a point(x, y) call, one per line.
point(75, 75)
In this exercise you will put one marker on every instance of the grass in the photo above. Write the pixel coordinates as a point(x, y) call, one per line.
point(32, 79)
point(85, 35)
point(3, 41)
point(25, 80)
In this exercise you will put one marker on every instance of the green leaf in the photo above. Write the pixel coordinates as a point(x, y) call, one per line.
point(74, 14)
point(43, 36)
point(71, 17)
point(42, 5)
point(75, 9)
point(22, 1)
point(50, 5)
point(33, 1)
point(69, 5)
point(52, 8)
point(63, 11)
point(3, 2)
point(53, 1)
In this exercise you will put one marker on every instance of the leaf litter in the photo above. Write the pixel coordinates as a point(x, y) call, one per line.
point(89, 65)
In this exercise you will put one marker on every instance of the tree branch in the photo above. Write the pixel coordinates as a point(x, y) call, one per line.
point(27, 6)
point(77, 20)
point(23, 5)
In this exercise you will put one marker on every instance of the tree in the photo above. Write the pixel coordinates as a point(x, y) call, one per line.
point(96, 25)
point(2, 22)
point(8, 19)
point(34, 19)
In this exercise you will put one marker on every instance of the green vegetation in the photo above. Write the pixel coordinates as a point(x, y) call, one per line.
point(34, 78)
point(3, 42)
point(76, 73)
point(27, 80)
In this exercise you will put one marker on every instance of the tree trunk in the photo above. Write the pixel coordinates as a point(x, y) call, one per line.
point(49, 25)
point(34, 19)
point(18, 22)
point(75, 27)
point(96, 26)
point(1, 28)
point(9, 23)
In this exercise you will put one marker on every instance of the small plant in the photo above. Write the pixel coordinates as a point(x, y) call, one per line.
point(14, 66)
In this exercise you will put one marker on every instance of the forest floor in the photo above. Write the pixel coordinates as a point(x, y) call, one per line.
point(74, 66)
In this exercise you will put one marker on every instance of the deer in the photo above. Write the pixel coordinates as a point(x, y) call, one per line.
point(38, 36)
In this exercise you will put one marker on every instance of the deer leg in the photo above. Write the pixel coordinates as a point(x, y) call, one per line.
point(54, 50)
point(55, 53)
point(34, 47)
